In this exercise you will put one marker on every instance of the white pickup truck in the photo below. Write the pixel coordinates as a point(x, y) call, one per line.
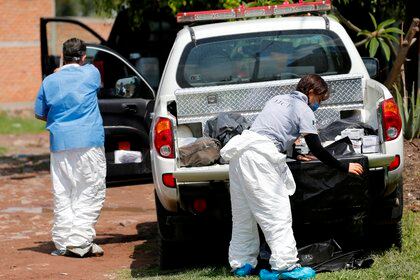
point(236, 67)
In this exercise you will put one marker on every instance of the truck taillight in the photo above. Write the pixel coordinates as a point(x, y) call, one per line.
point(395, 163)
point(199, 205)
point(164, 139)
point(391, 119)
point(168, 180)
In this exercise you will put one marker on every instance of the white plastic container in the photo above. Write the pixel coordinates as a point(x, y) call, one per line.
point(370, 149)
point(357, 146)
point(370, 140)
point(353, 133)
point(123, 156)
point(370, 144)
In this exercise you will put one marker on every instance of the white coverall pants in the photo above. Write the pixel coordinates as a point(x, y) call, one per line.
point(78, 179)
point(260, 186)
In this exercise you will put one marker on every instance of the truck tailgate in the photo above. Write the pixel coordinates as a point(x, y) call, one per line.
point(219, 172)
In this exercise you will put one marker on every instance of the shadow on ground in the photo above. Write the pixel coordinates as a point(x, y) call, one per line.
point(189, 255)
point(19, 165)
point(105, 238)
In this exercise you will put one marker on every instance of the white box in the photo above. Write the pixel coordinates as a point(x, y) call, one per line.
point(370, 149)
point(370, 140)
point(353, 133)
point(326, 143)
point(357, 146)
point(123, 156)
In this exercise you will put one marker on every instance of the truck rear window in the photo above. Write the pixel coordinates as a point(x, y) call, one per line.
point(257, 57)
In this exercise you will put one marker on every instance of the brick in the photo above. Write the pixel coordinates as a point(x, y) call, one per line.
point(20, 70)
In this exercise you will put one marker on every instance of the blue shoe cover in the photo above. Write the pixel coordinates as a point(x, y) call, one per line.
point(267, 275)
point(243, 271)
point(298, 273)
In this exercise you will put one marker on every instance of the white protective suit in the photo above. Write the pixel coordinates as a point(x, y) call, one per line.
point(78, 179)
point(260, 186)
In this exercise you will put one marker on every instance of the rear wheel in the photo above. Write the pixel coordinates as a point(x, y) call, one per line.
point(389, 233)
point(166, 231)
point(170, 252)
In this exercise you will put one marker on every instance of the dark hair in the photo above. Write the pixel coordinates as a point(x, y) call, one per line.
point(315, 82)
point(73, 50)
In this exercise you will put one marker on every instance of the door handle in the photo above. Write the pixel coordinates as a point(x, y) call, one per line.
point(129, 108)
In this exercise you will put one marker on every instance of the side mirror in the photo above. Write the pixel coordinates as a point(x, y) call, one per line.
point(372, 66)
point(126, 87)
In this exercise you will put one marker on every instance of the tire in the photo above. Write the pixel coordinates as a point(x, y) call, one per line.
point(165, 231)
point(169, 251)
point(389, 233)
point(170, 254)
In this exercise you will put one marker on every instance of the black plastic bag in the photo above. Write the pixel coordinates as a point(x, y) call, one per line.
point(225, 126)
point(329, 132)
point(316, 253)
point(342, 147)
point(328, 256)
point(329, 203)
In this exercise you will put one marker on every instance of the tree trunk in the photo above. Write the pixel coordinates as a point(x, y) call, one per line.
point(402, 53)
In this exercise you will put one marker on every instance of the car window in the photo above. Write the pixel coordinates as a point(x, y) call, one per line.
point(262, 57)
point(118, 80)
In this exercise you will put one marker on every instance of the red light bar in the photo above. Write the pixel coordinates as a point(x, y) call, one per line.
point(244, 12)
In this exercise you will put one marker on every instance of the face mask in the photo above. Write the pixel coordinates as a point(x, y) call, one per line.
point(314, 106)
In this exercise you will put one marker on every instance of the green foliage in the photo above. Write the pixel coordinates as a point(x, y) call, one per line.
point(409, 107)
point(194, 5)
point(75, 8)
point(17, 125)
point(382, 36)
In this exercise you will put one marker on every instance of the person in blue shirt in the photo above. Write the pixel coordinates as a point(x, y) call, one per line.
point(67, 101)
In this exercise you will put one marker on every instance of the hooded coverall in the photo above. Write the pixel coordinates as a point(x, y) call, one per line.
point(68, 101)
point(261, 182)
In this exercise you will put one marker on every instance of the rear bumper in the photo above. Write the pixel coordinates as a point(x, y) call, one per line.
point(219, 172)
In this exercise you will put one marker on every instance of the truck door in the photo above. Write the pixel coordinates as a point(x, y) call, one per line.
point(125, 98)
point(54, 31)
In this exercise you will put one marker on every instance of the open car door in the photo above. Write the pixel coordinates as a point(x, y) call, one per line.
point(54, 32)
point(125, 99)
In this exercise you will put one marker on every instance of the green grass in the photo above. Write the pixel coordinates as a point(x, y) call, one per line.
point(392, 264)
point(17, 125)
point(3, 150)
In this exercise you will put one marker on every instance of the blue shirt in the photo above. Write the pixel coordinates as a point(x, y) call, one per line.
point(284, 118)
point(68, 100)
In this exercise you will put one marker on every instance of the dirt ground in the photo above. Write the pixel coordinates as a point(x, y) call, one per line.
point(126, 229)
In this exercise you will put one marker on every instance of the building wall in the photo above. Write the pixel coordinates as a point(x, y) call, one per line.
point(20, 69)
